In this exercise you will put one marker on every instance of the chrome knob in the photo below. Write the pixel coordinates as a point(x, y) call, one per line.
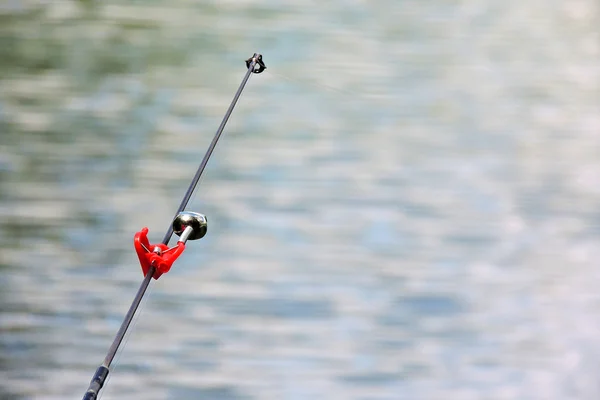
point(189, 226)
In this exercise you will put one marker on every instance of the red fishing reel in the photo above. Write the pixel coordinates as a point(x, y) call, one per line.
point(187, 225)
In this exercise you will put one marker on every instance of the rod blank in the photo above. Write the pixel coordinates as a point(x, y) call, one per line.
point(254, 65)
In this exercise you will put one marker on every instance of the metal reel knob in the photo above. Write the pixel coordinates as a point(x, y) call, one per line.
point(189, 225)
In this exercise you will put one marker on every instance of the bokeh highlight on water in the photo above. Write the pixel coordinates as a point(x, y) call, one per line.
point(404, 205)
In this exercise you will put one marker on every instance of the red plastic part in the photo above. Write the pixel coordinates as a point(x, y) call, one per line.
point(162, 262)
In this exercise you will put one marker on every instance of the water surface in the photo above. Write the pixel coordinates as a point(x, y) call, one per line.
point(403, 206)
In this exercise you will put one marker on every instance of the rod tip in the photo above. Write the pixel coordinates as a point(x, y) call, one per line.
point(256, 63)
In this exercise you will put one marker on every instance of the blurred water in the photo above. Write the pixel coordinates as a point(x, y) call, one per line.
point(403, 206)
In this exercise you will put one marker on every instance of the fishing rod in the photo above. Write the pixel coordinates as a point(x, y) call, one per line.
point(157, 259)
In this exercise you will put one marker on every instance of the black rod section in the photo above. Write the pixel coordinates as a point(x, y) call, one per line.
point(254, 60)
point(112, 351)
point(255, 65)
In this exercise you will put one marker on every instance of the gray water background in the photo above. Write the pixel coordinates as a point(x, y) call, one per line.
point(405, 205)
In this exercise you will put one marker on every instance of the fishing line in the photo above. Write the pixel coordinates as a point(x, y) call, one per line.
point(315, 84)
